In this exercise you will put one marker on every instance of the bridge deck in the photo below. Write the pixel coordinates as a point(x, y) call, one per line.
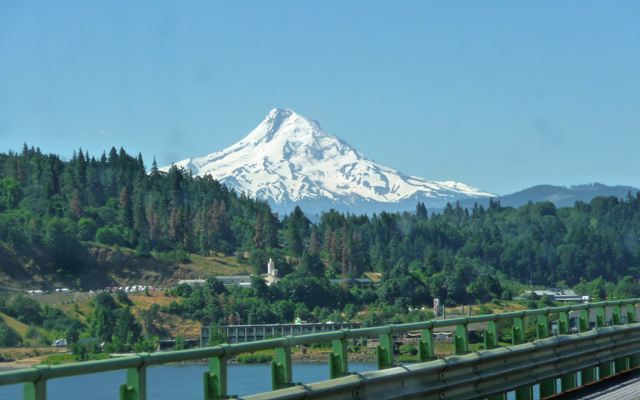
point(623, 386)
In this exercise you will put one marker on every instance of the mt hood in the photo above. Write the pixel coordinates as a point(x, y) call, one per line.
point(289, 160)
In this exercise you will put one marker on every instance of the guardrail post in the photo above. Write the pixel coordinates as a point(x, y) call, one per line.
point(425, 346)
point(548, 387)
point(215, 380)
point(517, 332)
point(568, 382)
point(586, 375)
point(605, 369)
point(338, 360)
point(542, 327)
point(281, 371)
point(634, 361)
point(563, 324)
point(631, 313)
point(616, 316)
point(461, 340)
point(490, 336)
point(35, 390)
point(601, 321)
point(517, 337)
point(583, 321)
point(384, 351)
point(525, 393)
point(621, 364)
point(136, 386)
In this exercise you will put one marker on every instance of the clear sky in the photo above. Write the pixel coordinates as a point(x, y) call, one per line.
point(500, 95)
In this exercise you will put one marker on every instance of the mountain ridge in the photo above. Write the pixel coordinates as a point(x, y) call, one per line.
point(289, 160)
point(560, 196)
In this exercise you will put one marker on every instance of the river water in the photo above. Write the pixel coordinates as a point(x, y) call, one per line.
point(176, 382)
point(182, 382)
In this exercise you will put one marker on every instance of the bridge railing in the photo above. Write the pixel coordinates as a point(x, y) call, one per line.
point(487, 374)
point(215, 379)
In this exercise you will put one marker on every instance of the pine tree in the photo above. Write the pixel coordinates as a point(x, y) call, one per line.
point(421, 212)
point(126, 209)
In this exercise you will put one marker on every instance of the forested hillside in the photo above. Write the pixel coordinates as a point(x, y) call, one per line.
point(50, 208)
point(52, 212)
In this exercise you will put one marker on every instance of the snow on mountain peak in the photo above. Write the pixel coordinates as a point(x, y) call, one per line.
point(288, 159)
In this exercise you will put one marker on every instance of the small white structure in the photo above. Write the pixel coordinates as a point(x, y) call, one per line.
point(235, 280)
point(193, 282)
point(271, 268)
point(271, 276)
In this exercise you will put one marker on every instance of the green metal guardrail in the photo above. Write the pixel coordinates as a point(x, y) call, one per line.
point(482, 375)
point(215, 380)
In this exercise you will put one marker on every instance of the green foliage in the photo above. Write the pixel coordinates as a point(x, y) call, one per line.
point(254, 358)
point(10, 193)
point(87, 228)
point(216, 337)
point(547, 300)
point(408, 349)
point(84, 351)
point(32, 333)
point(485, 288)
point(146, 345)
point(48, 204)
point(57, 359)
point(460, 256)
point(9, 337)
point(122, 297)
point(350, 311)
point(26, 310)
point(113, 324)
point(180, 343)
point(627, 288)
point(110, 236)
point(150, 319)
point(484, 310)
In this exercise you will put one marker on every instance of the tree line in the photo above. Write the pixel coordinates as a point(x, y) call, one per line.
point(53, 208)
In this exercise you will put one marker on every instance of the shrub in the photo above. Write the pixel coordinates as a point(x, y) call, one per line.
point(9, 337)
point(409, 349)
point(254, 358)
point(109, 236)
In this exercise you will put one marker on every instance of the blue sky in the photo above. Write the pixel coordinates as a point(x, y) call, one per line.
point(500, 95)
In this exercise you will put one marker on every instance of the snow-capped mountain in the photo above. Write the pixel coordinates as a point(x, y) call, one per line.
point(289, 160)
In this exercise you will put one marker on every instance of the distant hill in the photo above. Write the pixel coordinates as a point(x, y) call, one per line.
point(561, 196)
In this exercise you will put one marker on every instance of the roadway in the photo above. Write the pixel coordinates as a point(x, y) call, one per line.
point(623, 386)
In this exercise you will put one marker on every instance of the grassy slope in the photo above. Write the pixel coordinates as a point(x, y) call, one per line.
point(120, 266)
point(15, 324)
point(172, 324)
point(103, 266)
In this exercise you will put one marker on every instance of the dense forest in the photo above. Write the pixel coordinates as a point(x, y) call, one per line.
point(53, 209)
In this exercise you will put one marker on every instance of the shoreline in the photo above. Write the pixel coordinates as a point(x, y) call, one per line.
point(296, 358)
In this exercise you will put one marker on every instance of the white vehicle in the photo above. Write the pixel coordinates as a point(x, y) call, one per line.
point(59, 343)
